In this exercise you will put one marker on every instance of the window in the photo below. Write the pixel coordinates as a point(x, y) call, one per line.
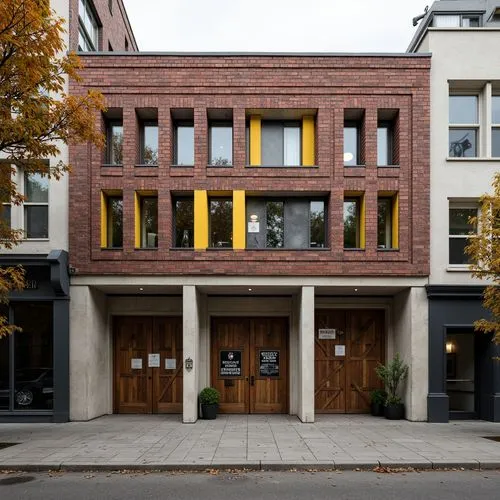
point(114, 142)
point(456, 21)
point(184, 143)
point(36, 206)
point(126, 44)
point(183, 222)
point(281, 143)
point(221, 144)
point(110, 47)
point(354, 222)
point(387, 137)
point(110, 5)
point(353, 137)
point(387, 222)
point(460, 228)
point(495, 123)
point(221, 223)
point(275, 224)
point(146, 221)
point(464, 126)
point(149, 143)
point(88, 34)
point(111, 220)
point(317, 224)
point(4, 209)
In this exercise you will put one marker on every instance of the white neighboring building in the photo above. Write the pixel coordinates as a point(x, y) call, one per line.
point(463, 37)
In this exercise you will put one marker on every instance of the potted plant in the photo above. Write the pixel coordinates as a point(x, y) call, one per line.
point(209, 400)
point(393, 374)
point(378, 398)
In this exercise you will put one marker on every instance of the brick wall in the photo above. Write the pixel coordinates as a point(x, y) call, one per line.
point(328, 84)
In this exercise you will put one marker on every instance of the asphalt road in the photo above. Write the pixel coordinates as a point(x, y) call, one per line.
point(252, 485)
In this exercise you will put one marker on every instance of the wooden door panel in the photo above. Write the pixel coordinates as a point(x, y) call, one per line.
point(231, 334)
point(168, 382)
point(132, 338)
point(329, 369)
point(269, 365)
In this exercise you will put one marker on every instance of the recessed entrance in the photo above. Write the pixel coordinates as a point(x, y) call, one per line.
point(148, 364)
point(250, 364)
point(348, 346)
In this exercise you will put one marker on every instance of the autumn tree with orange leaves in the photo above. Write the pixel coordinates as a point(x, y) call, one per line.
point(36, 114)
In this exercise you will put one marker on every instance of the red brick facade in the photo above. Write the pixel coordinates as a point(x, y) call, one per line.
point(328, 84)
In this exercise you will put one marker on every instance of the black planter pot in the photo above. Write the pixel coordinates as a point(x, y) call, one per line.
point(377, 409)
point(395, 411)
point(209, 412)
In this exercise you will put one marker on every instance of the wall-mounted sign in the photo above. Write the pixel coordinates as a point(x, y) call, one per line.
point(31, 285)
point(254, 227)
point(230, 364)
point(269, 364)
point(327, 334)
point(136, 363)
point(154, 360)
point(170, 363)
point(340, 350)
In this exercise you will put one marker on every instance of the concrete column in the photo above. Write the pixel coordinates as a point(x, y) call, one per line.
point(191, 342)
point(306, 355)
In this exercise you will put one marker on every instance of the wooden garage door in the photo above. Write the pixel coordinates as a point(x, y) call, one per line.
point(145, 383)
point(345, 365)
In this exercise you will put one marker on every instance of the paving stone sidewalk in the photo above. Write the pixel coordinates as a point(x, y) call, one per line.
point(162, 442)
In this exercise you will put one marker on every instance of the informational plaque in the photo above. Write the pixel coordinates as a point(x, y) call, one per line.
point(327, 334)
point(170, 363)
point(154, 361)
point(230, 364)
point(136, 364)
point(269, 364)
point(254, 227)
point(340, 350)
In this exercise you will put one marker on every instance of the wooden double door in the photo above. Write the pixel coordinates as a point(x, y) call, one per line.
point(249, 359)
point(349, 344)
point(147, 364)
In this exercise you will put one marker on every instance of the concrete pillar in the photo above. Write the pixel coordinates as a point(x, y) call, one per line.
point(306, 355)
point(190, 346)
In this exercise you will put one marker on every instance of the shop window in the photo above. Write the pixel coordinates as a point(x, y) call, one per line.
point(183, 222)
point(114, 142)
point(36, 206)
point(183, 126)
point(111, 219)
point(353, 137)
point(354, 221)
point(461, 228)
point(464, 126)
point(221, 223)
point(387, 222)
point(146, 223)
point(88, 28)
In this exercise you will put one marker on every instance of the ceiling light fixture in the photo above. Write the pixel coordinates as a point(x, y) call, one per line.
point(141, 289)
point(355, 289)
point(249, 289)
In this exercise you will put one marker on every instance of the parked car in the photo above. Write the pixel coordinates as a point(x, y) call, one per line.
point(34, 388)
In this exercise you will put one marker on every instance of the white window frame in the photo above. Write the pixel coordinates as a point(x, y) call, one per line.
point(467, 126)
point(87, 42)
point(464, 205)
point(27, 204)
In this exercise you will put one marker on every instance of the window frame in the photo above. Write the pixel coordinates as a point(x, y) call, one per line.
point(220, 124)
point(389, 237)
point(175, 199)
point(90, 12)
point(108, 198)
point(28, 204)
point(389, 146)
point(290, 124)
point(142, 141)
point(476, 127)
point(357, 125)
point(210, 241)
point(359, 199)
point(110, 124)
point(457, 205)
point(143, 234)
point(495, 126)
point(185, 124)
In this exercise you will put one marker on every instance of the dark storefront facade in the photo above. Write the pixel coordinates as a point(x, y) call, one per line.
point(34, 362)
point(464, 376)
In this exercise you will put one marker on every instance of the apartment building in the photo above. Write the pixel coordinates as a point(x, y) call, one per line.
point(258, 223)
point(34, 364)
point(464, 378)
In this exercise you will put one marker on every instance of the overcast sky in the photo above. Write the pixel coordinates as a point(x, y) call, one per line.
point(274, 25)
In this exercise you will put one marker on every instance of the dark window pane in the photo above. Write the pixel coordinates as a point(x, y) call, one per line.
point(150, 144)
point(221, 145)
point(221, 223)
point(272, 143)
point(33, 375)
point(36, 188)
point(317, 222)
point(495, 109)
point(149, 222)
point(495, 142)
point(457, 251)
point(463, 143)
point(463, 109)
point(351, 224)
point(4, 363)
point(275, 224)
point(384, 146)
point(115, 222)
point(5, 214)
point(459, 221)
point(184, 145)
point(115, 144)
point(36, 221)
point(384, 223)
point(351, 145)
point(184, 223)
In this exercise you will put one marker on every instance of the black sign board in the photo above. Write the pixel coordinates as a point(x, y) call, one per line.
point(230, 364)
point(269, 364)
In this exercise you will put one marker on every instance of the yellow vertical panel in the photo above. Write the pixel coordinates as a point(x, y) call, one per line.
point(255, 140)
point(395, 221)
point(200, 220)
point(137, 220)
point(104, 220)
point(362, 222)
point(308, 141)
point(239, 220)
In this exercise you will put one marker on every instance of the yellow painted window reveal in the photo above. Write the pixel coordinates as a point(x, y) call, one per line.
point(200, 220)
point(137, 220)
point(255, 140)
point(308, 141)
point(362, 221)
point(395, 221)
point(104, 220)
point(239, 220)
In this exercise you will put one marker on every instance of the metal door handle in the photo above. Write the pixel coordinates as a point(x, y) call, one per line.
point(252, 380)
